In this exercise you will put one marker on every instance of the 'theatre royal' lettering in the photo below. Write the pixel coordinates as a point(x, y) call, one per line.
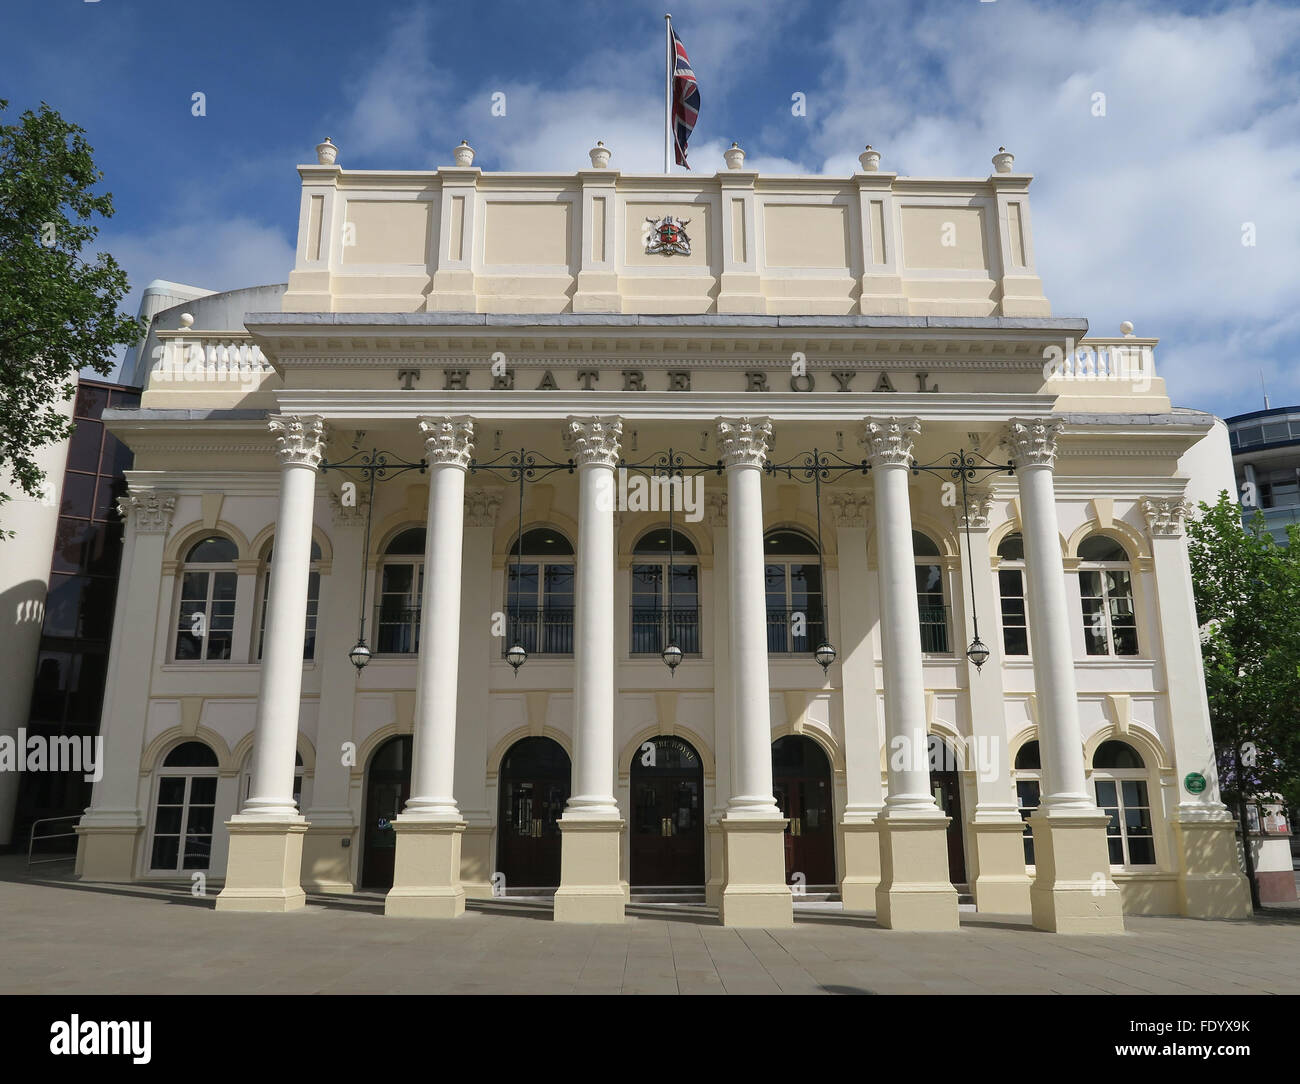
point(669, 380)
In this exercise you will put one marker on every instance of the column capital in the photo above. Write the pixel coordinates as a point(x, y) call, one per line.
point(977, 512)
point(593, 441)
point(1166, 515)
point(850, 507)
point(149, 513)
point(481, 507)
point(888, 441)
point(715, 505)
point(1033, 441)
point(448, 439)
point(744, 442)
point(299, 439)
point(349, 513)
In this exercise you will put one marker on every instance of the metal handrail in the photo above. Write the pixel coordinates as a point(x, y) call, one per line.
point(31, 840)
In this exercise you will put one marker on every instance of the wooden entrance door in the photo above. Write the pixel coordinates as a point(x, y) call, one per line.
point(946, 786)
point(388, 785)
point(534, 787)
point(666, 842)
point(801, 783)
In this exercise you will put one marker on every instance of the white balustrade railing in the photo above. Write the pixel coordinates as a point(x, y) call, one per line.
point(1128, 360)
point(206, 357)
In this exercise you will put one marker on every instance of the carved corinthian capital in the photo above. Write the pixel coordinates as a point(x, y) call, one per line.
point(888, 441)
point(744, 442)
point(149, 513)
point(1032, 441)
point(481, 507)
point(1166, 515)
point(977, 511)
point(593, 441)
point(448, 440)
point(299, 439)
point(850, 507)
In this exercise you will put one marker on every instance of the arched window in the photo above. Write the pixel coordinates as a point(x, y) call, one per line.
point(1011, 589)
point(1029, 777)
point(1120, 779)
point(313, 601)
point(401, 586)
point(539, 593)
point(205, 620)
point(795, 621)
point(929, 595)
point(1106, 593)
point(662, 611)
point(184, 808)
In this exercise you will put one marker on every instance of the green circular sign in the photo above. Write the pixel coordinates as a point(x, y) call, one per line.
point(1194, 782)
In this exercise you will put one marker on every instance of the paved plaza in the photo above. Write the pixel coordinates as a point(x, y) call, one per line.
point(64, 936)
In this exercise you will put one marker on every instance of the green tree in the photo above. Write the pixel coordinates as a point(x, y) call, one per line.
point(59, 310)
point(1248, 602)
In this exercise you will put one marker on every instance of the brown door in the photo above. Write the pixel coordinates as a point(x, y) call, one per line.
point(666, 840)
point(801, 783)
point(534, 787)
point(388, 785)
point(946, 786)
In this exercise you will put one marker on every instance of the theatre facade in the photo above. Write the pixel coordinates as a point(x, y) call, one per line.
point(734, 537)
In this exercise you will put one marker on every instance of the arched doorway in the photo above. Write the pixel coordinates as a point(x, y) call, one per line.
point(534, 787)
point(388, 785)
point(666, 843)
point(801, 782)
point(945, 784)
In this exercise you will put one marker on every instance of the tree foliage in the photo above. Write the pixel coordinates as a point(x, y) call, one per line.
point(1247, 589)
point(59, 308)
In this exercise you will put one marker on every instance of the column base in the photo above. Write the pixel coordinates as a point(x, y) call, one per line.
point(426, 870)
point(107, 851)
point(591, 889)
point(1072, 890)
point(264, 866)
point(1001, 884)
point(476, 862)
point(914, 891)
point(754, 894)
point(1210, 881)
point(717, 864)
point(326, 862)
point(861, 864)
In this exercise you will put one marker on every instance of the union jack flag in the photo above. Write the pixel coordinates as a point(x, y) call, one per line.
point(686, 100)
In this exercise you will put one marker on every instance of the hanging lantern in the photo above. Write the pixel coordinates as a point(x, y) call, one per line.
point(825, 655)
point(516, 657)
point(672, 656)
point(978, 652)
point(360, 655)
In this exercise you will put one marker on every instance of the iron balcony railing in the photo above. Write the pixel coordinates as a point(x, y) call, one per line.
point(547, 631)
point(934, 630)
point(654, 628)
point(795, 632)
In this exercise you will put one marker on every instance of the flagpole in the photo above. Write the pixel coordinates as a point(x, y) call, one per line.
point(668, 92)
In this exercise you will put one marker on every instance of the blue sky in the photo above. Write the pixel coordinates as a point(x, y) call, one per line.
point(1138, 213)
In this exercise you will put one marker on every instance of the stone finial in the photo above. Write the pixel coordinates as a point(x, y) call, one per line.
point(1003, 160)
point(1126, 329)
point(870, 159)
point(734, 157)
point(599, 155)
point(464, 154)
point(187, 320)
point(326, 152)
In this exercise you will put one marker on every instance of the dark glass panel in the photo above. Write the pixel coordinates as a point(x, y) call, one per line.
point(90, 401)
point(1116, 754)
point(1012, 548)
point(168, 819)
point(116, 456)
point(191, 754)
point(83, 446)
point(1029, 756)
point(166, 849)
point(203, 789)
point(63, 605)
point(212, 550)
point(78, 497)
point(543, 542)
point(787, 543)
point(656, 542)
point(1099, 547)
point(409, 542)
point(171, 790)
point(923, 545)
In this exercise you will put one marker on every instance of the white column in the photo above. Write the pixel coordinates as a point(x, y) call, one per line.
point(110, 829)
point(755, 893)
point(1210, 881)
point(863, 793)
point(1072, 890)
point(719, 605)
point(914, 891)
point(264, 866)
point(591, 889)
point(426, 874)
